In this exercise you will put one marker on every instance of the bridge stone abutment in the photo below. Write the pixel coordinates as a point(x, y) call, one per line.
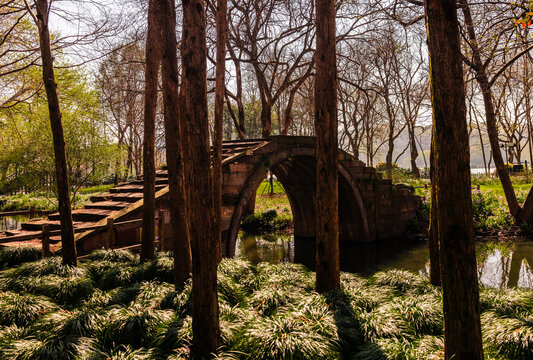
point(362, 192)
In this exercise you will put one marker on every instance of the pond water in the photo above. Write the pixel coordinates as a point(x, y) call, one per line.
point(500, 265)
point(12, 222)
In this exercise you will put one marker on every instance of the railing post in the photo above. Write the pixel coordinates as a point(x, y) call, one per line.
point(110, 234)
point(46, 241)
point(32, 212)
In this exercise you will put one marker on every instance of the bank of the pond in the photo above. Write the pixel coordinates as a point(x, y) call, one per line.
point(113, 307)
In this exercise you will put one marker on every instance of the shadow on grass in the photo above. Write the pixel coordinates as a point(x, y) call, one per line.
point(348, 327)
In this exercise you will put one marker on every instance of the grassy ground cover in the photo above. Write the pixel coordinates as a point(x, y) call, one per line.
point(113, 307)
point(47, 201)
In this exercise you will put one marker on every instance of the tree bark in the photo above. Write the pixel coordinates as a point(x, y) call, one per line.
point(178, 206)
point(68, 244)
point(327, 224)
point(220, 89)
point(462, 330)
point(433, 232)
point(153, 58)
point(205, 324)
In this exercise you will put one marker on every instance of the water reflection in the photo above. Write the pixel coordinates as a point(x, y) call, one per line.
point(268, 248)
point(12, 222)
point(499, 265)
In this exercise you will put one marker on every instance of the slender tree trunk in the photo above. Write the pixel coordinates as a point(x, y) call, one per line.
point(68, 244)
point(327, 222)
point(462, 328)
point(220, 88)
point(205, 324)
point(266, 117)
point(178, 206)
point(153, 58)
point(414, 151)
point(492, 129)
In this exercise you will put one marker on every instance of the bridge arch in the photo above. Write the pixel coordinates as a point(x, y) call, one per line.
point(295, 168)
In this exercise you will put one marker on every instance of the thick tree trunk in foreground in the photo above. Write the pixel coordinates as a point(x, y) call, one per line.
point(327, 230)
point(153, 58)
point(68, 245)
point(433, 232)
point(220, 89)
point(203, 245)
point(176, 181)
point(462, 329)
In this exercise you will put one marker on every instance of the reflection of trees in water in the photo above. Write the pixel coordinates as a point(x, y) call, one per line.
point(494, 271)
point(525, 278)
point(501, 271)
point(10, 222)
point(268, 248)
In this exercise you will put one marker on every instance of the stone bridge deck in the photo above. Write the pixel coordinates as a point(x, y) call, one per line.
point(370, 208)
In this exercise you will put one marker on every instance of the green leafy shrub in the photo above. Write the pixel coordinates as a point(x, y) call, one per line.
point(266, 222)
point(490, 211)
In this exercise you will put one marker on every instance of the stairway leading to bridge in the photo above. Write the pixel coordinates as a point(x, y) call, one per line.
point(105, 205)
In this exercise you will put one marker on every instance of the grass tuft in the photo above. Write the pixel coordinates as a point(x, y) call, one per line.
point(13, 256)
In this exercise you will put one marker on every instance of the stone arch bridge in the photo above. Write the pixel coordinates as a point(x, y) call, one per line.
point(370, 208)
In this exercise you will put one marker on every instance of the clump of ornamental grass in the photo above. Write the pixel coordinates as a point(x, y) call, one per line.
point(114, 256)
point(229, 290)
point(120, 275)
point(151, 293)
point(365, 297)
point(48, 266)
point(133, 325)
point(63, 290)
point(121, 353)
point(422, 314)
point(506, 302)
point(291, 275)
point(240, 271)
point(178, 300)
point(385, 349)
point(22, 310)
point(400, 280)
point(63, 324)
point(54, 347)
point(511, 337)
point(175, 339)
point(285, 336)
point(268, 299)
point(13, 256)
point(382, 322)
point(161, 268)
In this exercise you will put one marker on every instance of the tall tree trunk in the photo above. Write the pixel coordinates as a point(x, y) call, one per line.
point(462, 328)
point(68, 245)
point(153, 58)
point(220, 89)
point(205, 324)
point(327, 222)
point(178, 206)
